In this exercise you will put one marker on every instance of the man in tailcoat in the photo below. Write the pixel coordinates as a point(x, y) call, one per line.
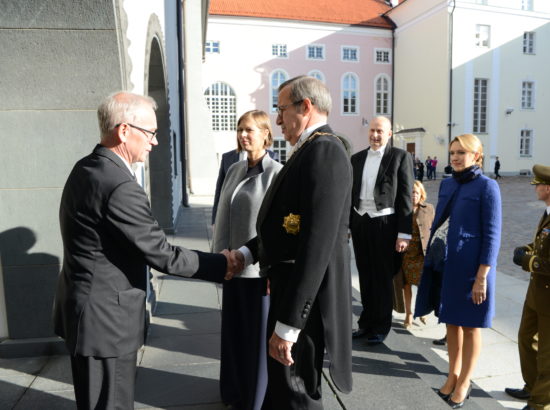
point(381, 225)
point(109, 237)
point(534, 329)
point(302, 247)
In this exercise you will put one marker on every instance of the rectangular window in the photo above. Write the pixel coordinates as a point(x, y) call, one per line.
point(315, 52)
point(279, 147)
point(212, 47)
point(382, 55)
point(279, 50)
point(527, 5)
point(527, 95)
point(483, 35)
point(350, 53)
point(526, 143)
point(529, 42)
point(480, 105)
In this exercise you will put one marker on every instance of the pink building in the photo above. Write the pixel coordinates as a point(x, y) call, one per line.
point(254, 45)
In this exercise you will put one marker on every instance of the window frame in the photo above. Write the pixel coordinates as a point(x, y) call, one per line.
point(382, 76)
point(530, 138)
point(383, 50)
point(279, 47)
point(342, 51)
point(478, 41)
point(344, 90)
point(282, 149)
point(226, 113)
point(529, 42)
point(210, 44)
point(321, 46)
point(528, 95)
point(312, 72)
point(480, 107)
point(273, 91)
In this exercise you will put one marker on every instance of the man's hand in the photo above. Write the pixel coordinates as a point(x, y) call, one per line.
point(235, 264)
point(401, 245)
point(280, 350)
point(519, 253)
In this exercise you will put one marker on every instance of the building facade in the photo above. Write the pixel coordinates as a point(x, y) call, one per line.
point(473, 66)
point(252, 48)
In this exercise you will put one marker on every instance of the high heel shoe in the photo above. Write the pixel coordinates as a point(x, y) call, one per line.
point(423, 320)
point(455, 405)
point(444, 396)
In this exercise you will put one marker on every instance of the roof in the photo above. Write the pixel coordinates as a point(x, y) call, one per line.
point(352, 12)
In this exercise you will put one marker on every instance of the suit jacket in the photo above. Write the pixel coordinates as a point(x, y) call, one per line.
point(394, 184)
point(315, 184)
point(109, 237)
point(237, 216)
point(228, 159)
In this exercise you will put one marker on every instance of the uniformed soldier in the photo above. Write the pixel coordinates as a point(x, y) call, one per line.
point(534, 330)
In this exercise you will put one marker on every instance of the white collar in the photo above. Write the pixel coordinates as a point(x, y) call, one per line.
point(308, 131)
point(127, 164)
point(378, 152)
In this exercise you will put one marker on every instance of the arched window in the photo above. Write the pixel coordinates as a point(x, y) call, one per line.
point(382, 87)
point(317, 74)
point(277, 78)
point(222, 102)
point(350, 94)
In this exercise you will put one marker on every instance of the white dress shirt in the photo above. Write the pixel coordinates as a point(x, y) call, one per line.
point(368, 182)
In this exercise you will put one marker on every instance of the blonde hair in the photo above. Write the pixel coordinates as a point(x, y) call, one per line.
point(423, 196)
point(470, 143)
point(261, 119)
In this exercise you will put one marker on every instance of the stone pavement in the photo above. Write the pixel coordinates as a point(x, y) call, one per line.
point(179, 366)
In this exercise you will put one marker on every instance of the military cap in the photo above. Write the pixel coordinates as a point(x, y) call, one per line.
point(542, 175)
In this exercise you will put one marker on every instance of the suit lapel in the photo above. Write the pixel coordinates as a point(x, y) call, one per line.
point(266, 204)
point(384, 164)
point(107, 153)
point(544, 221)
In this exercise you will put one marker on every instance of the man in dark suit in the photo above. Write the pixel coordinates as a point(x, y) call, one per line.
point(109, 236)
point(302, 248)
point(381, 225)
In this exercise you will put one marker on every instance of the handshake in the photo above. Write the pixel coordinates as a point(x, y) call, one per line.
point(235, 262)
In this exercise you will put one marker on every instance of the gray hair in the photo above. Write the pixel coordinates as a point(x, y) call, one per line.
point(120, 107)
point(303, 87)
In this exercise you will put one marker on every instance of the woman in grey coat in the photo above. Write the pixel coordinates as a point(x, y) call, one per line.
point(243, 374)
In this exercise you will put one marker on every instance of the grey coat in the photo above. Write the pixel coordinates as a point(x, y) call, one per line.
point(238, 207)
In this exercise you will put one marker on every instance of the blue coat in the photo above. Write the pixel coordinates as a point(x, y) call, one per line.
point(473, 239)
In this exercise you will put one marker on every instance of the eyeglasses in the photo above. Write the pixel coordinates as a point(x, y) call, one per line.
point(151, 134)
point(280, 108)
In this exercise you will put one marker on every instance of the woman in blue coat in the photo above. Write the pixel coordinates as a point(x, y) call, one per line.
point(471, 202)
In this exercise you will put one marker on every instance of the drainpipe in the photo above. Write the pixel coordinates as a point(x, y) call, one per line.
point(450, 122)
point(183, 142)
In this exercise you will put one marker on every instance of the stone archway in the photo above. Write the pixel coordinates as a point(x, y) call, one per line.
point(159, 178)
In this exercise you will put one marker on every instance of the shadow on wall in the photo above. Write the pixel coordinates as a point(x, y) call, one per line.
point(29, 284)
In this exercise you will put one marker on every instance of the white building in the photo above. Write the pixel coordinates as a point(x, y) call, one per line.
point(473, 66)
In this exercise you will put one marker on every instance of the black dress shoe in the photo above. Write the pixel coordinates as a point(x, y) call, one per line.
point(356, 334)
point(444, 396)
point(440, 342)
point(455, 405)
point(528, 408)
point(375, 339)
point(521, 394)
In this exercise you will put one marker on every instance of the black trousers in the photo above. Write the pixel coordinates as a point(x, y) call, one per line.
point(377, 262)
point(104, 383)
point(297, 387)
